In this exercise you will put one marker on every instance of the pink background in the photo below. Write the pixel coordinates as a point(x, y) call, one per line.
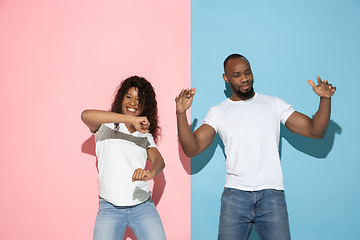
point(58, 58)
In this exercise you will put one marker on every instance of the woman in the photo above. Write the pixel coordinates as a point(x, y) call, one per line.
point(125, 138)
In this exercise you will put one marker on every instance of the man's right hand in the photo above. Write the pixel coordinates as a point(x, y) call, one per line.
point(184, 100)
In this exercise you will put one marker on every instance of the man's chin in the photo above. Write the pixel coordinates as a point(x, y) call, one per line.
point(245, 95)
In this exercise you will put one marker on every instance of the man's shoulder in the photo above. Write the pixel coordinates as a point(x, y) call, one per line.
point(221, 105)
point(273, 101)
point(265, 95)
point(261, 96)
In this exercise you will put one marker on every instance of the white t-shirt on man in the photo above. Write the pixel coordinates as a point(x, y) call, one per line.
point(250, 131)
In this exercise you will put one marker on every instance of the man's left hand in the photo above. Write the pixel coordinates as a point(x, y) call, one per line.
point(323, 89)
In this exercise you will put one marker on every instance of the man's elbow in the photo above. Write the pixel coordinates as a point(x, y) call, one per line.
point(189, 150)
point(190, 154)
point(318, 135)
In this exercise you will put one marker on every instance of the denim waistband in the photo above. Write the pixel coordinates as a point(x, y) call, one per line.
point(127, 207)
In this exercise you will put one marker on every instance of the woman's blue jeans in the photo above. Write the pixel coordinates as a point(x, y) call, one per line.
point(143, 219)
point(265, 209)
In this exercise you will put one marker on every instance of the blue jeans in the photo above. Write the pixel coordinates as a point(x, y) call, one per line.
point(143, 219)
point(265, 209)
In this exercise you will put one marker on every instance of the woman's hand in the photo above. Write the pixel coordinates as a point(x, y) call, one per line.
point(142, 175)
point(141, 124)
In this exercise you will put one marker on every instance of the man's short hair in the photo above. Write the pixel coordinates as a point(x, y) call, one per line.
point(232, 56)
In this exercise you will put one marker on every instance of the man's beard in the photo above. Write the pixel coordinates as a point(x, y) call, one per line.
point(244, 95)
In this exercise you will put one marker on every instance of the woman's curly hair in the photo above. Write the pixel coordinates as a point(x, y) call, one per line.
point(147, 98)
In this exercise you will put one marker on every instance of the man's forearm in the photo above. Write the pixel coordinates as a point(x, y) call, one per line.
point(321, 118)
point(186, 136)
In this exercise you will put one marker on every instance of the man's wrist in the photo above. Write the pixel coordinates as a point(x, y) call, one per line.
point(325, 98)
point(180, 113)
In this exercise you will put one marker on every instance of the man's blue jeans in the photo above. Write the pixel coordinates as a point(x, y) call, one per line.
point(143, 219)
point(265, 209)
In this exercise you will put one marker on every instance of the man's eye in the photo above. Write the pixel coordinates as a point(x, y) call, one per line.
point(236, 75)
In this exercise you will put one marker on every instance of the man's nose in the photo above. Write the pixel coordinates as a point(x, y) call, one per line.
point(243, 78)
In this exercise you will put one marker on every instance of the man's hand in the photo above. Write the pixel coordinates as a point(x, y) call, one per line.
point(142, 175)
point(184, 100)
point(323, 89)
point(141, 124)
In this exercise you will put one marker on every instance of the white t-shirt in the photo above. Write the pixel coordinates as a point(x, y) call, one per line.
point(250, 131)
point(119, 153)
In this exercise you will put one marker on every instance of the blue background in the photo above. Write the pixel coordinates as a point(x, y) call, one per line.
point(287, 43)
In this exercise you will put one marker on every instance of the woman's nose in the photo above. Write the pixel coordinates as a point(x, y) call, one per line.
point(133, 102)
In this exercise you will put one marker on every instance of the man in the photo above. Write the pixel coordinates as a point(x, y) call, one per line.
point(249, 125)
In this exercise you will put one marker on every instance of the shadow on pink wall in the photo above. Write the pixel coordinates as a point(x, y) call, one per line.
point(88, 147)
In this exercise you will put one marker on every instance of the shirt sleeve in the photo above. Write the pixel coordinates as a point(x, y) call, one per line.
point(210, 119)
point(285, 110)
point(151, 140)
point(99, 132)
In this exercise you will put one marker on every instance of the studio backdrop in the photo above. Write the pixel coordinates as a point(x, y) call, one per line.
point(58, 58)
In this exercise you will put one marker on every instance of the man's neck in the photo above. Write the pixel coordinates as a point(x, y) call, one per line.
point(236, 97)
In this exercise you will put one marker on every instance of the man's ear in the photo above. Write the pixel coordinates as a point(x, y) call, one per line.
point(225, 78)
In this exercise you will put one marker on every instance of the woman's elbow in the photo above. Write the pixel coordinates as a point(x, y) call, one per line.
point(84, 115)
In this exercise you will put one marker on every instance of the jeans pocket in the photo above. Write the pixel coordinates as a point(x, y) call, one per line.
point(278, 191)
point(228, 191)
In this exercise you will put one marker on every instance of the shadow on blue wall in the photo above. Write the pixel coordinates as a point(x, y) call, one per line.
point(318, 148)
point(227, 90)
